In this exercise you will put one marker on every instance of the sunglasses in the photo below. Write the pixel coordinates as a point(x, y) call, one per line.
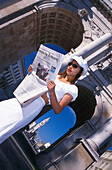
point(74, 65)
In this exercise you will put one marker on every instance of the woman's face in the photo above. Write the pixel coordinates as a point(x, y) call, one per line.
point(73, 68)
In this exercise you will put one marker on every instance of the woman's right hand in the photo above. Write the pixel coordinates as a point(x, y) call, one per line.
point(51, 86)
point(30, 69)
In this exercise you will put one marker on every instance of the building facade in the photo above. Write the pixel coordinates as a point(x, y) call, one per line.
point(81, 28)
point(105, 162)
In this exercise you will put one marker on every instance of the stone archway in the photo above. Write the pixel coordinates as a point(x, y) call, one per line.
point(59, 23)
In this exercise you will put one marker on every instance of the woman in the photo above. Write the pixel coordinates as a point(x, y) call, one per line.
point(60, 93)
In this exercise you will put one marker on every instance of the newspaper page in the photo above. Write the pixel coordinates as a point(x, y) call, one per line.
point(46, 66)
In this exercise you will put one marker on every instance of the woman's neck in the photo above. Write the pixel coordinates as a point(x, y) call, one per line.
point(66, 79)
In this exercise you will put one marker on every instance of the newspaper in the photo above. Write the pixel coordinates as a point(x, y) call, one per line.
point(46, 66)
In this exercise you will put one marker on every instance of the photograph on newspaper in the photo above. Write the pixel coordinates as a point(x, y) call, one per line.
point(46, 66)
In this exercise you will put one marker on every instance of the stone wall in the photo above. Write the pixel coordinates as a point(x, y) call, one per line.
point(17, 38)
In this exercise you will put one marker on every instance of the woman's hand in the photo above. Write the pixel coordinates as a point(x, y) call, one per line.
point(46, 99)
point(58, 106)
point(30, 69)
point(51, 86)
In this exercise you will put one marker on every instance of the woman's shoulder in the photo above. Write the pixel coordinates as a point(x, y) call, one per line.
point(72, 87)
point(73, 90)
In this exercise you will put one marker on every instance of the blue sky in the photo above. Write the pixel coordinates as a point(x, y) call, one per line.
point(59, 124)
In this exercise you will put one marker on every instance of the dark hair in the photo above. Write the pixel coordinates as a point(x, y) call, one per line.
point(78, 75)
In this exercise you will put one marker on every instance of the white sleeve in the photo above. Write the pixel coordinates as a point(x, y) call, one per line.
point(73, 90)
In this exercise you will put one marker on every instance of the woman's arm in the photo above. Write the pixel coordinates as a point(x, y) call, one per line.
point(58, 107)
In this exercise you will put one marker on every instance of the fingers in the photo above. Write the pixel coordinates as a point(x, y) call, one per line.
point(51, 82)
point(30, 68)
point(51, 85)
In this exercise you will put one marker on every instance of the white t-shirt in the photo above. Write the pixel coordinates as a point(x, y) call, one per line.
point(62, 88)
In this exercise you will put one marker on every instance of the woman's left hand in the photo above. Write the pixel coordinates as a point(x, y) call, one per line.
point(46, 99)
point(51, 86)
point(30, 69)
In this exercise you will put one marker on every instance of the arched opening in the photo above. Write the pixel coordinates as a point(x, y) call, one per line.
point(59, 24)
